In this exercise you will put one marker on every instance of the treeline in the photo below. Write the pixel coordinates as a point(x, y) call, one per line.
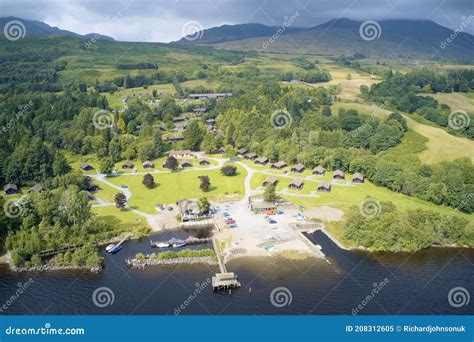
point(132, 66)
point(404, 93)
point(314, 76)
point(159, 77)
point(387, 229)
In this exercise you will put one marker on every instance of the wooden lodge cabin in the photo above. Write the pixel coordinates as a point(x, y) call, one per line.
point(127, 165)
point(36, 188)
point(148, 164)
point(242, 151)
point(319, 171)
point(174, 138)
point(203, 161)
point(85, 167)
point(209, 96)
point(270, 180)
point(279, 165)
point(181, 154)
point(298, 168)
point(296, 184)
point(220, 150)
point(324, 186)
point(357, 178)
point(338, 174)
point(261, 161)
point(186, 163)
point(251, 156)
point(10, 189)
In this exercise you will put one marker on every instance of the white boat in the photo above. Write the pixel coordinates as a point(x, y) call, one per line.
point(178, 245)
point(109, 247)
point(162, 245)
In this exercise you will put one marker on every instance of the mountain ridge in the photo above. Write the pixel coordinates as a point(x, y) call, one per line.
point(40, 28)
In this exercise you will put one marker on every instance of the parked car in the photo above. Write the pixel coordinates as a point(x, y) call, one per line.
point(280, 212)
point(124, 186)
point(233, 225)
point(270, 212)
point(272, 221)
point(170, 208)
point(230, 221)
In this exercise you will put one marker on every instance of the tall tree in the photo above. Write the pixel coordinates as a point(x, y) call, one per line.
point(171, 163)
point(148, 181)
point(205, 183)
point(120, 200)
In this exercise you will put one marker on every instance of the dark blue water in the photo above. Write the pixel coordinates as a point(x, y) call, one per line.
point(416, 283)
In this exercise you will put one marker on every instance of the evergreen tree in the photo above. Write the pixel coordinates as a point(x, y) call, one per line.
point(120, 200)
point(148, 181)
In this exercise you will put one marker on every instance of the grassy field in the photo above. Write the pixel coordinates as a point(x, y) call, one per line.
point(441, 145)
point(457, 101)
point(179, 185)
point(124, 220)
point(342, 197)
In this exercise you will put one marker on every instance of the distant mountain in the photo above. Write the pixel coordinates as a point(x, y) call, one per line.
point(226, 33)
point(394, 40)
point(39, 28)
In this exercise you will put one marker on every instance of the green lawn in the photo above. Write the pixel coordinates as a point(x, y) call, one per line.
point(106, 192)
point(341, 197)
point(121, 220)
point(173, 186)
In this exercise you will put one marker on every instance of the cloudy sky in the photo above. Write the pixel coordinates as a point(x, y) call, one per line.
point(164, 21)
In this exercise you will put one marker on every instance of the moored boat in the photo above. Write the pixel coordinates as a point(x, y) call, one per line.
point(179, 245)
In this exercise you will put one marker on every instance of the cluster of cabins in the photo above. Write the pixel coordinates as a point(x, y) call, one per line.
point(297, 183)
point(325, 186)
point(12, 189)
point(148, 164)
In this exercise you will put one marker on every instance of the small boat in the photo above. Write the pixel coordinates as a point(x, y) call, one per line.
point(173, 240)
point(115, 249)
point(109, 247)
point(179, 245)
point(162, 245)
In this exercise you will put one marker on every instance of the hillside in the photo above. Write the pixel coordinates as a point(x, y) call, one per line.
point(39, 28)
point(398, 39)
point(226, 33)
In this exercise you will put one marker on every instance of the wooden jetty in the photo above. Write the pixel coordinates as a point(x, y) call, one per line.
point(188, 241)
point(223, 280)
point(64, 249)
